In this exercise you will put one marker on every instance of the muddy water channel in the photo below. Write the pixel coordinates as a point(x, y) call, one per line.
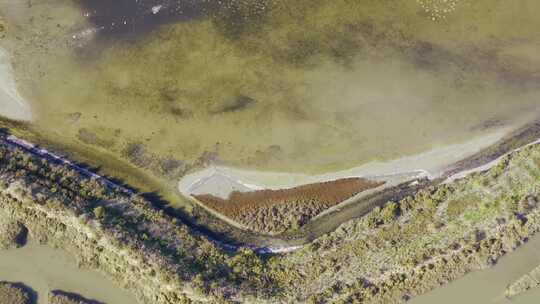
point(488, 286)
point(44, 269)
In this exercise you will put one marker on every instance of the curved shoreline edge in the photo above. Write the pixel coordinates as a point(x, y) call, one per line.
point(420, 278)
point(430, 164)
point(471, 158)
point(268, 244)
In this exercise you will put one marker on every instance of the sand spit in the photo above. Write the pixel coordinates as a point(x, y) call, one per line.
point(12, 105)
point(220, 181)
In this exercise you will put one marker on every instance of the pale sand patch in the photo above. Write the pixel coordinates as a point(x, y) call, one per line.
point(12, 105)
point(430, 164)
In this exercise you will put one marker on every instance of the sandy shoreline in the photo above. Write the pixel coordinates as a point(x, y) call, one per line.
point(220, 180)
point(401, 175)
point(12, 105)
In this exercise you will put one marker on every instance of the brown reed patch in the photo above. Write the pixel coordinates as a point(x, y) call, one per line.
point(275, 211)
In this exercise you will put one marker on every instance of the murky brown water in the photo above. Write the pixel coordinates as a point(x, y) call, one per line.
point(44, 269)
point(487, 286)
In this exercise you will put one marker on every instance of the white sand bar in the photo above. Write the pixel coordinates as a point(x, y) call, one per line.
point(12, 105)
point(220, 181)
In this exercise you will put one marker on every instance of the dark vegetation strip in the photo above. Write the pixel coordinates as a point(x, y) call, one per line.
point(133, 221)
point(508, 205)
point(199, 224)
point(17, 293)
point(62, 297)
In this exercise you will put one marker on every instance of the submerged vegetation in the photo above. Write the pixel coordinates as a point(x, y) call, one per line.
point(276, 85)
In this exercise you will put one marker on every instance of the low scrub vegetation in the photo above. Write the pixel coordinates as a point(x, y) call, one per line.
point(135, 224)
point(275, 211)
point(11, 293)
point(391, 254)
point(12, 234)
point(62, 297)
point(414, 245)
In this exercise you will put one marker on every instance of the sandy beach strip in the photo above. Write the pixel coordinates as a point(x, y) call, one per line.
point(430, 164)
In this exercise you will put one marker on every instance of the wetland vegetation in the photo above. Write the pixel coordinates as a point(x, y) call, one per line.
point(14, 293)
point(392, 253)
point(149, 92)
point(276, 211)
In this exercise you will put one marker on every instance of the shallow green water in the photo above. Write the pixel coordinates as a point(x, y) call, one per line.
point(296, 85)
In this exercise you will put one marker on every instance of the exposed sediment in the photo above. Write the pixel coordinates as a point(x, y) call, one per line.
point(12, 105)
point(526, 282)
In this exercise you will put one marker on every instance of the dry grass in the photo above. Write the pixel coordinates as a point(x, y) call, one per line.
point(14, 294)
point(274, 211)
point(62, 297)
point(12, 235)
